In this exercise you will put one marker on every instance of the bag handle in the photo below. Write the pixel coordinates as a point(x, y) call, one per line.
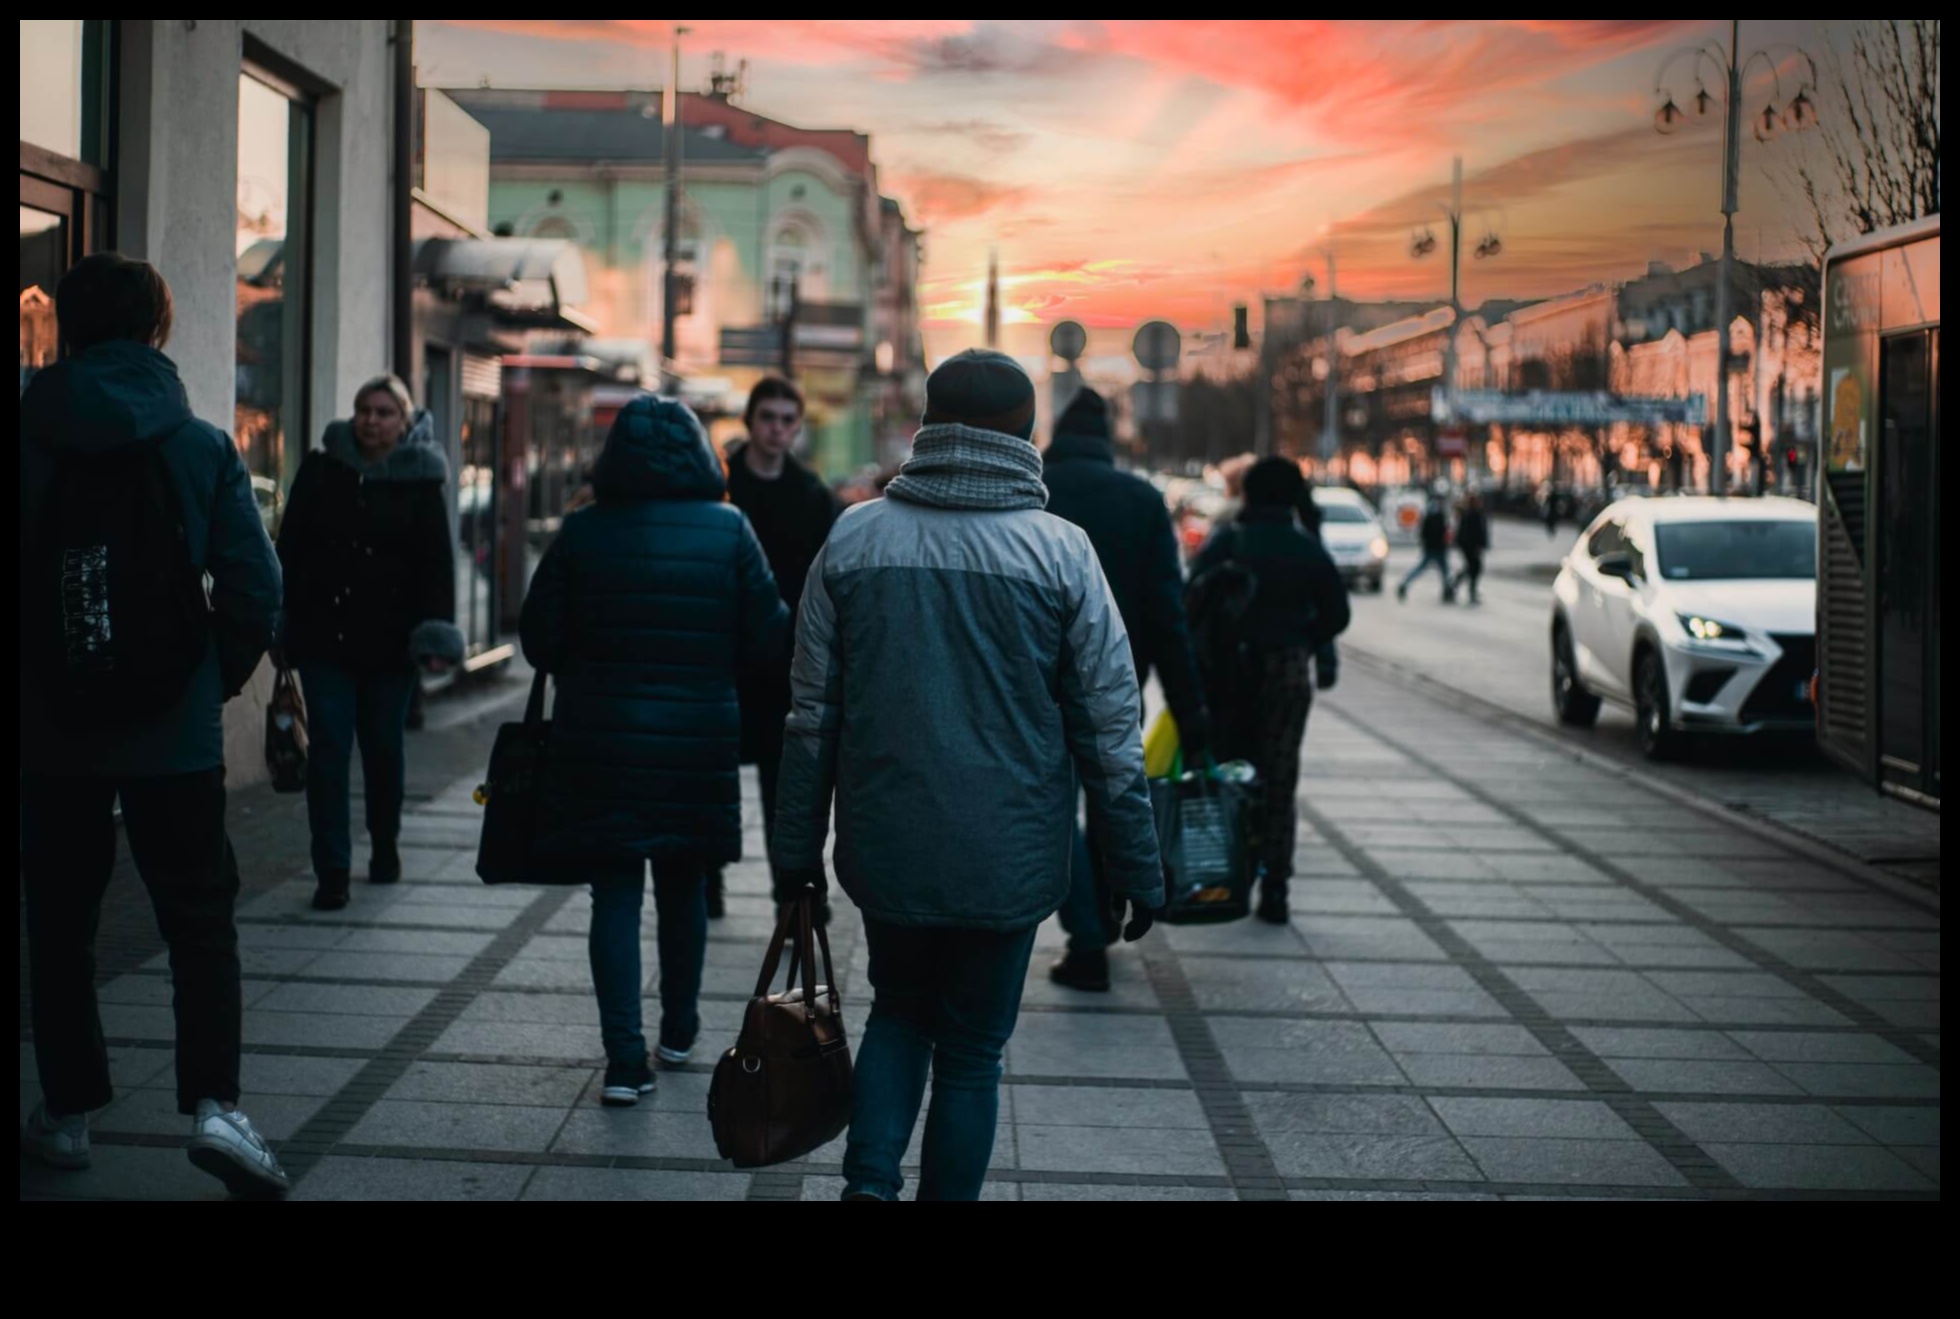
point(798, 928)
point(534, 708)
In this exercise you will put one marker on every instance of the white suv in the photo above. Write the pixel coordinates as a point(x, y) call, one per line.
point(1699, 613)
point(1353, 536)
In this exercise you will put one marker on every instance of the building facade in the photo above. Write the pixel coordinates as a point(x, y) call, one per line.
point(250, 161)
point(788, 256)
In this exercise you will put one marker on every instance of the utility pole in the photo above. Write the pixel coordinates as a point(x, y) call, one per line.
point(671, 132)
point(1456, 304)
point(993, 300)
point(1330, 433)
point(1718, 458)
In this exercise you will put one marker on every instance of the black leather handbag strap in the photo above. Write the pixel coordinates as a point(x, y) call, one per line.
point(534, 708)
point(797, 927)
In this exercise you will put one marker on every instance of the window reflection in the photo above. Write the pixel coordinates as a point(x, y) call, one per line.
point(43, 244)
point(274, 137)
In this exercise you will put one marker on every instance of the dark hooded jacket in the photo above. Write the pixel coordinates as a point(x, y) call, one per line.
point(791, 516)
point(1131, 531)
point(645, 608)
point(107, 397)
point(368, 553)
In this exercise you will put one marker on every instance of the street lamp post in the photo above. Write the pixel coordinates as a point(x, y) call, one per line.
point(1800, 114)
point(1330, 424)
point(669, 376)
point(1425, 243)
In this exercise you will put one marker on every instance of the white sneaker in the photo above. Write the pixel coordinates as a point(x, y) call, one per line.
point(224, 1145)
point(58, 1142)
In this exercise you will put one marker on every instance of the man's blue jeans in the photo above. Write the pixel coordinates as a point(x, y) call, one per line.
point(343, 705)
point(943, 1001)
point(614, 946)
point(1440, 561)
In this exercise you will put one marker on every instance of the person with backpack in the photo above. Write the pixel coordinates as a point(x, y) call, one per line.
point(1130, 528)
point(960, 668)
point(791, 510)
point(370, 595)
point(1266, 597)
point(147, 597)
point(648, 605)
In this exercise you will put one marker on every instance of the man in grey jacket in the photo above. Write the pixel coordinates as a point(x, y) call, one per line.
point(959, 665)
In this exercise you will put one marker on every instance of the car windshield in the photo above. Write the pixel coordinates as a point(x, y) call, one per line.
point(1714, 551)
point(1342, 513)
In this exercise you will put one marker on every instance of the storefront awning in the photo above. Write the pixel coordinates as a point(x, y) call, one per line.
point(533, 282)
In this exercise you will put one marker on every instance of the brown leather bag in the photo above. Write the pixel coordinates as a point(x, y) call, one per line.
point(785, 1088)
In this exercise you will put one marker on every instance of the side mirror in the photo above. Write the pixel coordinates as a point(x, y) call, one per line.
point(1618, 565)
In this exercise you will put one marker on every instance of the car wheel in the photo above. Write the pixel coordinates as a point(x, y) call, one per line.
point(1651, 708)
point(1574, 705)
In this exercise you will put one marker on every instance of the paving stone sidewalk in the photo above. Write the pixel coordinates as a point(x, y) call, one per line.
point(1508, 976)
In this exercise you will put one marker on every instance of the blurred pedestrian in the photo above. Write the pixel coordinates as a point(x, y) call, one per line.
point(791, 510)
point(370, 596)
point(124, 491)
point(1550, 512)
point(1472, 542)
point(1261, 683)
point(959, 665)
point(643, 611)
point(1435, 550)
point(1131, 531)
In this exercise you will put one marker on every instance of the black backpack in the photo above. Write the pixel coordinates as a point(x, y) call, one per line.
point(115, 608)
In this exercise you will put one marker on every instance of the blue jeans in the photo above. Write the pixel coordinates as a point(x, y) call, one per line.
point(1082, 910)
point(944, 1001)
point(341, 705)
point(614, 946)
point(1440, 561)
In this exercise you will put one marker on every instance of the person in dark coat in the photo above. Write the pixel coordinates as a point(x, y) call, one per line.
point(1263, 695)
point(370, 595)
point(1131, 530)
point(1472, 542)
point(113, 393)
point(1435, 535)
point(791, 510)
point(646, 607)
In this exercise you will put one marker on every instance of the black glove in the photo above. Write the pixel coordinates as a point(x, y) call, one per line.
point(1326, 668)
point(1141, 918)
point(1194, 734)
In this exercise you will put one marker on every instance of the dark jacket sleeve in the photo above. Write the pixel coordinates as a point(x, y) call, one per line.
point(245, 573)
point(542, 625)
point(1166, 636)
point(1330, 598)
point(809, 770)
point(1216, 550)
point(435, 556)
point(298, 532)
point(765, 618)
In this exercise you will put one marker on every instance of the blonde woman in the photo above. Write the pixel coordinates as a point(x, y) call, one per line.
point(370, 594)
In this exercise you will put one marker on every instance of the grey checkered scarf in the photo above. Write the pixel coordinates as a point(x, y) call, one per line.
point(961, 467)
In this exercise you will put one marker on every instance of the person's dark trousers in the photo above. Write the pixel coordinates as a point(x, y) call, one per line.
point(1471, 573)
point(343, 706)
point(1440, 561)
point(944, 1002)
point(176, 826)
point(1286, 698)
point(614, 946)
point(1085, 913)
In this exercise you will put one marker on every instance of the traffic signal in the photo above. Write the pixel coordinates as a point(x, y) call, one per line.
point(1241, 334)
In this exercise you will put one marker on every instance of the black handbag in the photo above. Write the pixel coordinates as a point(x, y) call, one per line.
point(512, 797)
point(785, 1088)
point(285, 733)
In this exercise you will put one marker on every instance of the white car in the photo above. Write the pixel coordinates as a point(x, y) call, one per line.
point(1698, 613)
point(1353, 536)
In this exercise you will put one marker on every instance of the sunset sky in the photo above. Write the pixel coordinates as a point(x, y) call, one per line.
point(1135, 169)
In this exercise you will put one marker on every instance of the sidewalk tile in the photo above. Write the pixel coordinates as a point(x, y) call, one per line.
point(341, 1177)
point(1762, 1124)
point(1069, 1191)
point(634, 1184)
point(1278, 1112)
point(1596, 1162)
point(1371, 1158)
point(450, 1126)
point(1895, 1126)
point(1105, 1106)
point(1690, 1076)
point(1818, 1167)
point(1490, 1073)
point(1180, 1152)
point(1539, 1118)
point(492, 1083)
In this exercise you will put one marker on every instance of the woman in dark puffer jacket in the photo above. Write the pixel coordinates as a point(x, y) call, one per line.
point(644, 610)
point(370, 570)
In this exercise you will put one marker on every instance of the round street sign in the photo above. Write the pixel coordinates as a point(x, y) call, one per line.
point(1068, 340)
point(1157, 346)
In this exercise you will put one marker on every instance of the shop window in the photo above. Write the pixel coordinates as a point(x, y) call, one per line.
point(274, 249)
point(65, 75)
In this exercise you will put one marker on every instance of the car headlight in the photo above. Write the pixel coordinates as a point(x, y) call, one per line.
point(1378, 547)
point(1712, 631)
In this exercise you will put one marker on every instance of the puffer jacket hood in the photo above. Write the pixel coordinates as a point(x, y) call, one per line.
point(104, 398)
point(418, 457)
point(1082, 431)
point(657, 449)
